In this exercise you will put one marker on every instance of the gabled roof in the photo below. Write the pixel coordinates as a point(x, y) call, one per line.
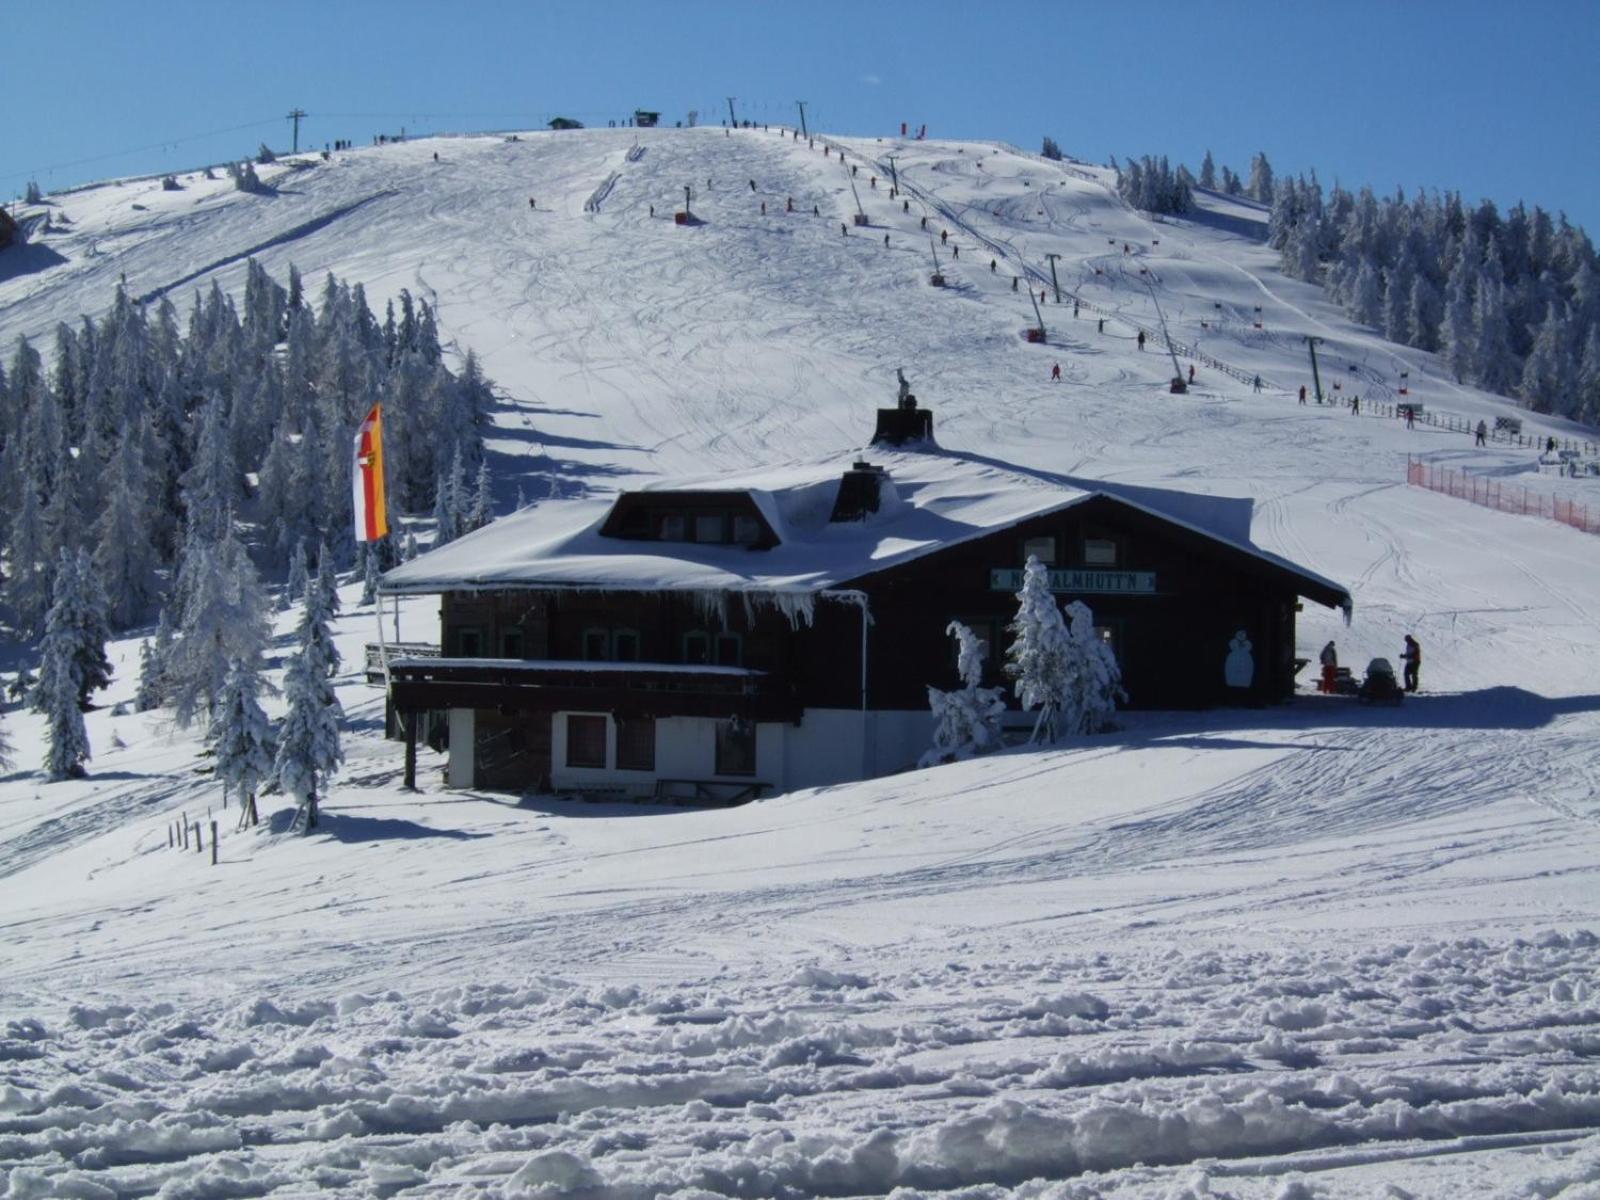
point(933, 501)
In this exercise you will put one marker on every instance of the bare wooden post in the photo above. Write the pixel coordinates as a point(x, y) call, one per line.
point(169, 835)
point(199, 839)
point(410, 720)
point(183, 830)
point(213, 843)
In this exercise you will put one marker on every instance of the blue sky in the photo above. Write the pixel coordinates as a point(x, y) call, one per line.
point(1489, 99)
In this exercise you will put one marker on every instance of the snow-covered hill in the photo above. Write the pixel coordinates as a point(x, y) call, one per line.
point(1229, 947)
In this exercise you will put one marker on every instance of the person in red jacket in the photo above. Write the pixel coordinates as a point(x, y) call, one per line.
point(1055, 373)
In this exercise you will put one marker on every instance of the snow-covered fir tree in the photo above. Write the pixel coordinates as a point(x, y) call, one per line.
point(299, 578)
point(965, 721)
point(1038, 659)
point(75, 634)
point(241, 738)
point(482, 502)
point(224, 620)
point(148, 694)
point(313, 632)
point(1208, 172)
point(308, 739)
point(369, 578)
point(327, 581)
point(66, 738)
point(1091, 700)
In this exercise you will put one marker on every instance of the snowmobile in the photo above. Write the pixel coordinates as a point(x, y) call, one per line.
point(1380, 685)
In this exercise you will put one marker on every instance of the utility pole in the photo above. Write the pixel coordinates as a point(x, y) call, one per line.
point(732, 122)
point(1053, 283)
point(894, 178)
point(803, 131)
point(1316, 376)
point(1039, 316)
point(295, 115)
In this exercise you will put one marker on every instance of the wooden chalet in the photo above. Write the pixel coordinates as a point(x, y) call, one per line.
point(780, 629)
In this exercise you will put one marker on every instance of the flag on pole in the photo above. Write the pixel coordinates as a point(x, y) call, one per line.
point(372, 512)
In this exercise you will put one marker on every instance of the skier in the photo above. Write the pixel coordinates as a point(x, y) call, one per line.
point(1074, 310)
point(1302, 393)
point(886, 241)
point(1330, 666)
point(752, 185)
point(1256, 383)
point(991, 266)
point(1412, 657)
point(1102, 324)
point(924, 222)
point(763, 208)
point(435, 156)
point(944, 236)
point(955, 251)
point(874, 182)
point(790, 207)
point(1411, 417)
point(652, 210)
point(1191, 372)
point(814, 211)
point(532, 203)
point(1550, 445)
point(1483, 433)
point(905, 206)
point(1013, 283)
point(844, 230)
point(1141, 339)
point(1355, 406)
point(1055, 373)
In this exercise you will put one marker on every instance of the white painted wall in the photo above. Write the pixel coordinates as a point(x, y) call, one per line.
point(463, 739)
point(686, 748)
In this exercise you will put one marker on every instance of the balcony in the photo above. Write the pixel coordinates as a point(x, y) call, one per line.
point(630, 688)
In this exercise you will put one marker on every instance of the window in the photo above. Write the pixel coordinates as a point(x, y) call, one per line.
point(469, 643)
point(636, 743)
point(511, 643)
point(625, 645)
point(1044, 548)
point(746, 530)
point(596, 645)
point(708, 528)
point(730, 650)
point(586, 741)
point(697, 647)
point(672, 527)
point(1099, 552)
point(736, 747)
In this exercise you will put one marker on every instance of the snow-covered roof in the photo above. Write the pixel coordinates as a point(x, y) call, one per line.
point(933, 501)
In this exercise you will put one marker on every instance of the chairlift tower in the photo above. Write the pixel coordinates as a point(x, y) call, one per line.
point(1053, 281)
point(1316, 376)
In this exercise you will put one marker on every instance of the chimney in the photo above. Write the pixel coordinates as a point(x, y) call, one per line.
point(860, 492)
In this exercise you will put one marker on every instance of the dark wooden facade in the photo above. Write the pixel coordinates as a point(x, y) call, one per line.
point(1171, 635)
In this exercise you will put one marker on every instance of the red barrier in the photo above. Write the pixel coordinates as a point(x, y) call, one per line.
point(1491, 493)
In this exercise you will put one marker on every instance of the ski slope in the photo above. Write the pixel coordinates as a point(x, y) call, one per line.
point(1317, 950)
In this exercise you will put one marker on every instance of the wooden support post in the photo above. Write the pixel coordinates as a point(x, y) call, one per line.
point(183, 830)
point(409, 720)
point(169, 835)
point(213, 843)
point(199, 839)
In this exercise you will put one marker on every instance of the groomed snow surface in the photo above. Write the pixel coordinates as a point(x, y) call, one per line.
point(1310, 951)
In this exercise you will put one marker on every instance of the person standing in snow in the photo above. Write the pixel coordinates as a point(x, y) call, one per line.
point(1302, 393)
point(1330, 666)
point(1412, 657)
point(1055, 373)
point(1256, 383)
point(1141, 339)
point(1191, 372)
point(1014, 283)
point(1483, 433)
point(991, 266)
point(955, 251)
point(1411, 417)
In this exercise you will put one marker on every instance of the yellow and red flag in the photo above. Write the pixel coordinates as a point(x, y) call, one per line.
point(372, 512)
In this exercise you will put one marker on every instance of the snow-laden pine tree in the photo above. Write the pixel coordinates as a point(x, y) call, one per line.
point(224, 620)
point(308, 740)
point(67, 741)
point(482, 503)
point(242, 739)
point(1039, 652)
point(1208, 172)
point(124, 556)
point(408, 549)
point(1260, 186)
point(965, 721)
point(1089, 704)
point(327, 581)
point(313, 632)
point(299, 577)
point(148, 694)
point(75, 634)
point(369, 576)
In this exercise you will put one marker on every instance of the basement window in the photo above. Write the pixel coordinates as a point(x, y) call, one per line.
point(586, 740)
point(736, 747)
point(636, 743)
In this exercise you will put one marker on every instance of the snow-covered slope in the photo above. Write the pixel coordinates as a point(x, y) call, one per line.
point(1316, 938)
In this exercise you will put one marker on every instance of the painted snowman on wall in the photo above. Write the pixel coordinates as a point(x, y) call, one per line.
point(1239, 669)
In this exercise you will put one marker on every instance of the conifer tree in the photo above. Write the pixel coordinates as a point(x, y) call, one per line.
point(242, 739)
point(148, 695)
point(1038, 656)
point(1208, 172)
point(308, 740)
point(482, 504)
point(67, 740)
point(966, 721)
point(327, 581)
point(313, 629)
point(295, 588)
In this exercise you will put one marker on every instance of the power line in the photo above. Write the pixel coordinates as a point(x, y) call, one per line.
point(161, 145)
